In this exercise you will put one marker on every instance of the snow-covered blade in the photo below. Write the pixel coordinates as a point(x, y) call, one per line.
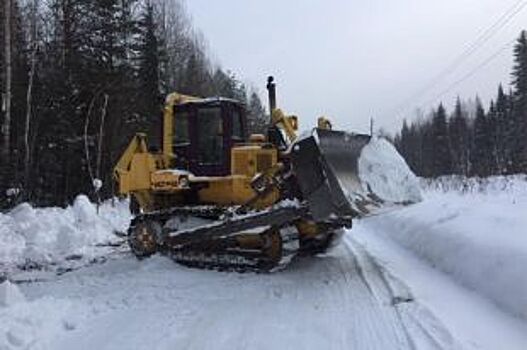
point(345, 174)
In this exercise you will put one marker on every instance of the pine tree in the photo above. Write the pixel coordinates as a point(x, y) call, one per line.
point(480, 149)
point(428, 146)
point(197, 80)
point(519, 74)
point(224, 83)
point(492, 140)
point(442, 162)
point(409, 145)
point(404, 140)
point(149, 76)
point(504, 132)
point(257, 118)
point(459, 140)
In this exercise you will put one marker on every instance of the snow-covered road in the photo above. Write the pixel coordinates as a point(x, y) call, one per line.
point(341, 301)
point(447, 273)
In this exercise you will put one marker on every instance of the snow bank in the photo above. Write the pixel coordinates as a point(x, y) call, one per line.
point(495, 185)
point(476, 232)
point(384, 172)
point(10, 294)
point(36, 237)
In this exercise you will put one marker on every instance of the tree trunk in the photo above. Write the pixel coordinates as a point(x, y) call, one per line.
point(29, 97)
point(6, 127)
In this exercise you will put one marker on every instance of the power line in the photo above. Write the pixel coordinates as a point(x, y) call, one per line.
point(483, 38)
point(472, 72)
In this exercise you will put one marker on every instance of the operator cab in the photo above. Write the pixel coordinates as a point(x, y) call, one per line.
point(205, 130)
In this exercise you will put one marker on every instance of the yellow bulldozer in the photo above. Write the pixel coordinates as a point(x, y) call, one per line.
point(215, 197)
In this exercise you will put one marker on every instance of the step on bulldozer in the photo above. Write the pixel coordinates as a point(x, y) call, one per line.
point(215, 197)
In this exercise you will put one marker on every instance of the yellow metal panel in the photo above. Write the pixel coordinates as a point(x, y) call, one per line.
point(168, 132)
point(287, 123)
point(142, 165)
point(251, 160)
point(230, 190)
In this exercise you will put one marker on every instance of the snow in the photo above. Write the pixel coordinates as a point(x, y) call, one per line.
point(317, 303)
point(445, 273)
point(97, 184)
point(176, 172)
point(477, 235)
point(384, 172)
point(38, 237)
point(10, 294)
point(12, 192)
point(472, 320)
point(379, 181)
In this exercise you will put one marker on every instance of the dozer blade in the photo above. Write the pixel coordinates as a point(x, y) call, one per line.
point(341, 174)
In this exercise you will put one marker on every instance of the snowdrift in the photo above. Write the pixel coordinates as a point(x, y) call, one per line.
point(36, 237)
point(472, 229)
point(384, 172)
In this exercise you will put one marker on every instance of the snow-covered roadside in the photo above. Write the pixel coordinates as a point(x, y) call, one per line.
point(474, 231)
point(42, 236)
point(470, 318)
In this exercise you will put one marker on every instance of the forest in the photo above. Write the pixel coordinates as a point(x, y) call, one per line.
point(80, 77)
point(473, 140)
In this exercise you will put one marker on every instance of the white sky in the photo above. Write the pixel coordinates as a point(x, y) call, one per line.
point(352, 60)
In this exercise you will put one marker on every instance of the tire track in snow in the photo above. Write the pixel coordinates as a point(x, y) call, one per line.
point(418, 323)
point(335, 301)
point(363, 264)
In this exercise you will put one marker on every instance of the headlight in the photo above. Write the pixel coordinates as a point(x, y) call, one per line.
point(183, 182)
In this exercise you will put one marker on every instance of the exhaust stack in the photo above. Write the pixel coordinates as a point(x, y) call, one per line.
point(271, 88)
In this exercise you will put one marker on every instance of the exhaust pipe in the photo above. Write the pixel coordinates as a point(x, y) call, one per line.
point(271, 88)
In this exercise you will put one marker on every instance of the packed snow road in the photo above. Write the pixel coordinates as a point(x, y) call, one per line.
point(447, 273)
point(340, 301)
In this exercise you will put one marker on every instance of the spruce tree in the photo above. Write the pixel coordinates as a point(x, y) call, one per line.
point(441, 157)
point(492, 140)
point(224, 83)
point(480, 148)
point(148, 85)
point(519, 74)
point(459, 140)
point(504, 132)
point(258, 119)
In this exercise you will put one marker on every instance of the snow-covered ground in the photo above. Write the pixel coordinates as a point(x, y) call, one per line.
point(340, 301)
point(442, 274)
point(474, 231)
point(47, 237)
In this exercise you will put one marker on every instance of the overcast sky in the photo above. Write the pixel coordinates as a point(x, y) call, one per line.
point(352, 60)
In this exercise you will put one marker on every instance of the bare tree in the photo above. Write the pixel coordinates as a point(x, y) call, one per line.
point(6, 127)
point(29, 95)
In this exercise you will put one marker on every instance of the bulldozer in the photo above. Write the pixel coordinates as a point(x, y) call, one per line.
point(214, 197)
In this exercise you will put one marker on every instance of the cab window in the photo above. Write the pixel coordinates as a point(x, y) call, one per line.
point(237, 127)
point(210, 139)
point(181, 132)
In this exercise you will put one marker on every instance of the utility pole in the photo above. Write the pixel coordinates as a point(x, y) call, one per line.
point(371, 126)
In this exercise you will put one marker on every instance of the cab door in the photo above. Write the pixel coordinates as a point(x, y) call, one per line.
point(205, 134)
point(182, 140)
point(210, 147)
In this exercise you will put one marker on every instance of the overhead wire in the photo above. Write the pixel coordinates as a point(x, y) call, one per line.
point(471, 73)
point(482, 39)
